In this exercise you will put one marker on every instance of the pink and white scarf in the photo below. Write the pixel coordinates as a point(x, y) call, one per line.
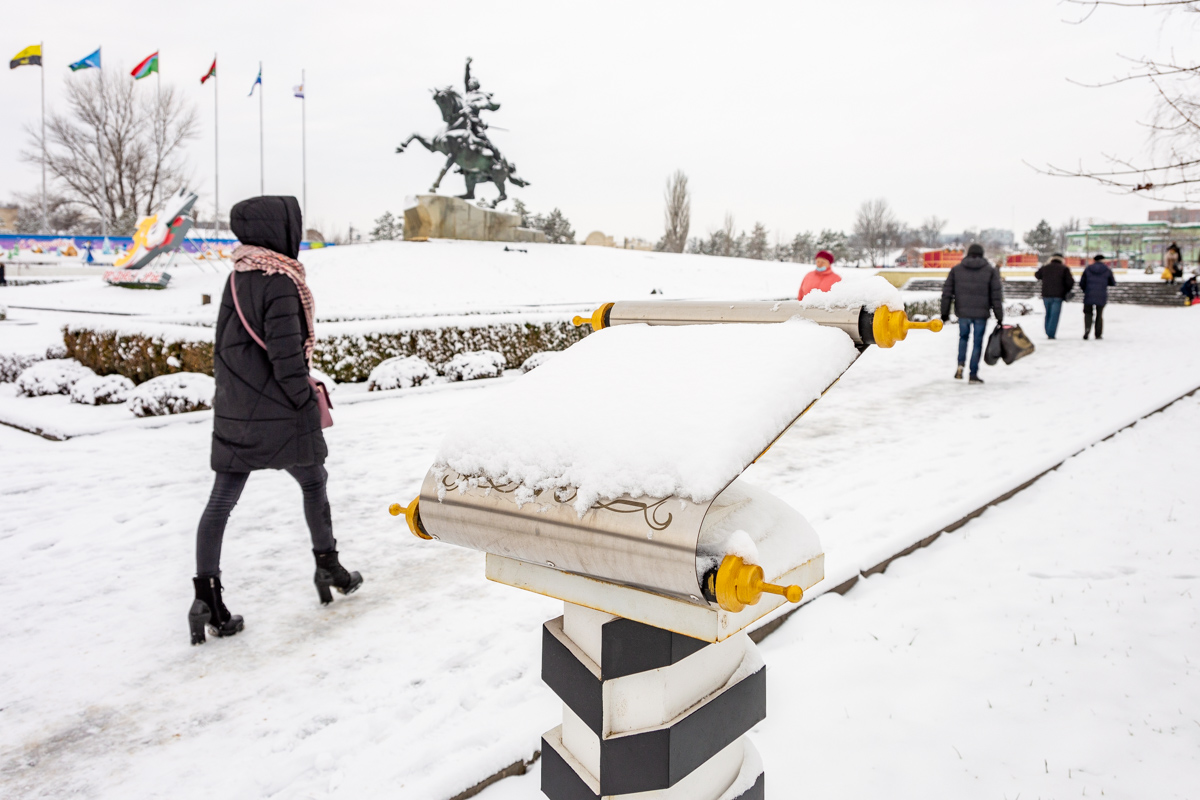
point(247, 258)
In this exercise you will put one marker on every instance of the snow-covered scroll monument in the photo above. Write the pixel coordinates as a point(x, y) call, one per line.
point(609, 478)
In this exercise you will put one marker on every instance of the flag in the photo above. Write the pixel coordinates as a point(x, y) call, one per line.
point(29, 57)
point(146, 67)
point(257, 82)
point(87, 62)
point(212, 71)
point(298, 91)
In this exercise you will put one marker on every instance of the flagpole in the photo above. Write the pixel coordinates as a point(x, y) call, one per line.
point(261, 180)
point(216, 162)
point(303, 146)
point(45, 211)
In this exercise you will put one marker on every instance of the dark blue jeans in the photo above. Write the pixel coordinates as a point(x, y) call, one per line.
point(964, 333)
point(1053, 309)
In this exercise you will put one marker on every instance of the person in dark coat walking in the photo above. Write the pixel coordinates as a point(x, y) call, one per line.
point(265, 412)
point(973, 286)
point(1173, 263)
point(1094, 282)
point(1057, 283)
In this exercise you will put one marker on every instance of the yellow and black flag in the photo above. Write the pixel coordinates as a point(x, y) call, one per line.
point(29, 57)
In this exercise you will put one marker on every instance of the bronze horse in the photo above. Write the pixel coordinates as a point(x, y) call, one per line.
point(476, 158)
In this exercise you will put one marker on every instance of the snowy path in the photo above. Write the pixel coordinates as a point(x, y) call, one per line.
point(426, 681)
point(1050, 648)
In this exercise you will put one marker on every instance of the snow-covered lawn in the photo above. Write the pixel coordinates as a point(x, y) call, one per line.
point(426, 680)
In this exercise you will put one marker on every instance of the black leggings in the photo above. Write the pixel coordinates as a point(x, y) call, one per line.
point(227, 488)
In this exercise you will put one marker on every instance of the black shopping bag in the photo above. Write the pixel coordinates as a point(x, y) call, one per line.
point(1007, 342)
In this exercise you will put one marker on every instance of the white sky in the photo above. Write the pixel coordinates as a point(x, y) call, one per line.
point(789, 113)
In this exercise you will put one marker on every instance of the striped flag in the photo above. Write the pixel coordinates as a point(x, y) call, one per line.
point(212, 71)
point(146, 67)
point(257, 82)
point(29, 57)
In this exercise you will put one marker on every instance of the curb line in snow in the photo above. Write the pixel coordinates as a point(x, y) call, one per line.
point(758, 634)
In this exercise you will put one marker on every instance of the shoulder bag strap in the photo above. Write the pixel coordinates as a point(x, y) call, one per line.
point(238, 306)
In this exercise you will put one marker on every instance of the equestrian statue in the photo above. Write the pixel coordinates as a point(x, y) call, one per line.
point(465, 142)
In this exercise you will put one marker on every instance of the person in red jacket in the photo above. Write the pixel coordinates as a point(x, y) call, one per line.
point(821, 278)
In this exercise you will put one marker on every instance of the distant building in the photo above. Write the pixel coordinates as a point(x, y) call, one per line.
point(8, 219)
point(1177, 216)
point(1143, 244)
point(637, 244)
point(599, 239)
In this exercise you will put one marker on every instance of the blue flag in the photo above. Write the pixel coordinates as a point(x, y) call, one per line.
point(257, 82)
point(87, 62)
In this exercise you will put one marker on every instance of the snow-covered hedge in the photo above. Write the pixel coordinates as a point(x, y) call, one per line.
point(346, 357)
point(101, 390)
point(401, 372)
point(537, 359)
point(350, 357)
point(473, 366)
point(13, 364)
point(172, 394)
point(51, 376)
point(138, 357)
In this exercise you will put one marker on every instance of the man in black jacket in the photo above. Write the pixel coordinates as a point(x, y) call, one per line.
point(973, 286)
point(1057, 283)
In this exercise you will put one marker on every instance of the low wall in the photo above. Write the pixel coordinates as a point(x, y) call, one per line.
point(1141, 293)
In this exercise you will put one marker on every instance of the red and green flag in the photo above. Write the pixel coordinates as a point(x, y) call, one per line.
point(146, 67)
point(212, 71)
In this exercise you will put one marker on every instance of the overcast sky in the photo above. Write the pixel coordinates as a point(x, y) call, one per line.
point(789, 113)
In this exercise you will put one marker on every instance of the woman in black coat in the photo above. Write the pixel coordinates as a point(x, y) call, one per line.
point(265, 412)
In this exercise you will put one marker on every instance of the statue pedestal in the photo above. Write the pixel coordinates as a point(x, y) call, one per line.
point(436, 216)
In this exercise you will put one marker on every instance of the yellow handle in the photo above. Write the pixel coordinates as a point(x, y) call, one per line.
point(890, 326)
point(596, 320)
point(739, 584)
point(412, 516)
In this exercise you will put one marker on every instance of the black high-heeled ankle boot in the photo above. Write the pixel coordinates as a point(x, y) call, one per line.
point(330, 573)
point(209, 611)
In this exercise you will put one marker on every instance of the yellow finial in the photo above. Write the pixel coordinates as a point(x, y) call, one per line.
point(890, 326)
point(412, 516)
point(739, 584)
point(596, 320)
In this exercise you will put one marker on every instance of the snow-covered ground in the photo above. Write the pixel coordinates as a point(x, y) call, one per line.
point(426, 680)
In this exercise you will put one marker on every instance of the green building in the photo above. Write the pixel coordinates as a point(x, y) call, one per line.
point(1142, 243)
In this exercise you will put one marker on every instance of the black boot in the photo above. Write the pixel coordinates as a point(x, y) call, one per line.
point(330, 572)
point(208, 610)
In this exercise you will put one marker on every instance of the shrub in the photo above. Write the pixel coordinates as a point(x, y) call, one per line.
point(472, 366)
point(13, 364)
point(401, 372)
point(537, 359)
point(138, 357)
point(51, 376)
point(172, 394)
point(350, 358)
point(101, 390)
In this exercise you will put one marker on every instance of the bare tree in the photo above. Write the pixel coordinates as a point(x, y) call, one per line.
point(930, 232)
point(1171, 171)
point(118, 151)
point(678, 212)
point(1070, 226)
point(876, 229)
point(727, 235)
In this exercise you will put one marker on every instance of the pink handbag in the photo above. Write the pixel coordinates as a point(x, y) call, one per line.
point(323, 403)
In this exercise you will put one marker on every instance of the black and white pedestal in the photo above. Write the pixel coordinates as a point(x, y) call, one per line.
point(649, 714)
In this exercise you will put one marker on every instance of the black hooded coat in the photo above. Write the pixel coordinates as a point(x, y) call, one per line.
point(974, 287)
point(265, 414)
